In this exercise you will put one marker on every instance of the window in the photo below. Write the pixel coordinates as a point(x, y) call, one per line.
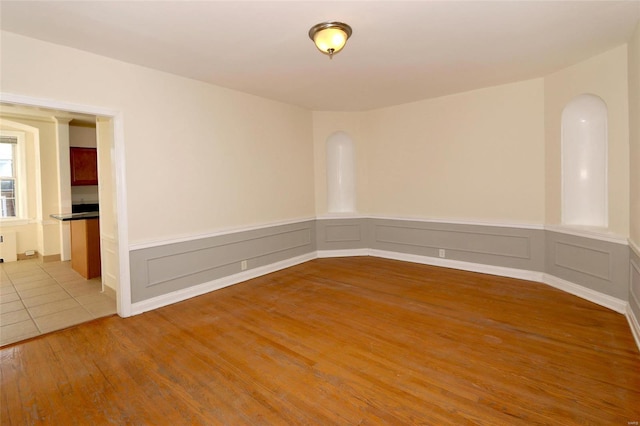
point(12, 181)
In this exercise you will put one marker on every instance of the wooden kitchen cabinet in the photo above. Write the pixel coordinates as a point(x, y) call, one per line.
point(85, 247)
point(84, 166)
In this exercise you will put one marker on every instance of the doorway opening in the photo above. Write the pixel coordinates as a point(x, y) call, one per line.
point(111, 195)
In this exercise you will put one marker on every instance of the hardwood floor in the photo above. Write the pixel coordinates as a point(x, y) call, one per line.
point(338, 341)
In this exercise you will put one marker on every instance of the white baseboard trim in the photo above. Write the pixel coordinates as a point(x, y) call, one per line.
point(596, 297)
point(457, 264)
point(343, 253)
point(634, 324)
point(200, 289)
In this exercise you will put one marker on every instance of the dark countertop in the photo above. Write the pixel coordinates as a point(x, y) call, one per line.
point(85, 208)
point(76, 216)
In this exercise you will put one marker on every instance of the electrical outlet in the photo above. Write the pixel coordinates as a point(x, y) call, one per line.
point(30, 252)
point(441, 252)
point(243, 265)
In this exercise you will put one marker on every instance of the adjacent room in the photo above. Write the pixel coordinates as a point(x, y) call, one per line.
point(51, 265)
point(264, 212)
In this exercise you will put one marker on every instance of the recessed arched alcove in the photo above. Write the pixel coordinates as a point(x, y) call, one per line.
point(584, 162)
point(341, 181)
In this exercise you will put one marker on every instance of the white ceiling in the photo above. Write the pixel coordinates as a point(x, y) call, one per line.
point(399, 51)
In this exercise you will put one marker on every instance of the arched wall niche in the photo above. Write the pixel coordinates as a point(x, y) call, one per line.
point(584, 162)
point(341, 181)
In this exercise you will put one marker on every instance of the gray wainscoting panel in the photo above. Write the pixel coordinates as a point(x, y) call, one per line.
point(490, 245)
point(634, 282)
point(606, 267)
point(586, 260)
point(159, 270)
point(342, 234)
point(599, 265)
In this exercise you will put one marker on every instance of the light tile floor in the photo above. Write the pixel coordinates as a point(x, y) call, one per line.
point(37, 298)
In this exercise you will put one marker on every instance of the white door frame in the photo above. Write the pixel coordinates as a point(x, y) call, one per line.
point(124, 284)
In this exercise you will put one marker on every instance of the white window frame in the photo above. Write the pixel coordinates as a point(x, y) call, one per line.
point(20, 164)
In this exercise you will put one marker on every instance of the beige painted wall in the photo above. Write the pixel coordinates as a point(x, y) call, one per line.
point(634, 135)
point(475, 156)
point(604, 75)
point(41, 233)
point(487, 155)
point(199, 158)
point(82, 136)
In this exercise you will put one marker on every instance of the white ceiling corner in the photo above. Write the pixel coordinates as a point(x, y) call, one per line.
point(400, 51)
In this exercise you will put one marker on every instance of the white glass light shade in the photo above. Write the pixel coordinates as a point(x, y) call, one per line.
point(330, 38)
point(584, 162)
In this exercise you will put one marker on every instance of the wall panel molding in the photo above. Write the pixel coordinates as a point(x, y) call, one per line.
point(109, 255)
point(583, 259)
point(462, 241)
point(343, 253)
point(172, 266)
point(634, 281)
point(595, 264)
point(342, 234)
point(160, 270)
point(479, 244)
point(217, 284)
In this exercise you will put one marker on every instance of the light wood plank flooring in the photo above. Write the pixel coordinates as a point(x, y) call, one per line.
point(342, 341)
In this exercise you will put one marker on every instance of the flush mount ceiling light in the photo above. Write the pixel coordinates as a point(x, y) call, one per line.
point(330, 37)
